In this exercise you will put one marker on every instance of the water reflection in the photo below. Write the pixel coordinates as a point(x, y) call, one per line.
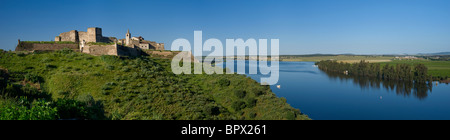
point(418, 90)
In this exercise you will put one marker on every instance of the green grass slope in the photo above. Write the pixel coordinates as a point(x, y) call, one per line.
point(144, 88)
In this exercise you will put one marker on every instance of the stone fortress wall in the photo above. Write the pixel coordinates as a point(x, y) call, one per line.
point(101, 49)
point(25, 46)
point(93, 42)
point(92, 35)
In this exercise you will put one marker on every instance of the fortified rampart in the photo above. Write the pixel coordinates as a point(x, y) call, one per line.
point(92, 35)
point(100, 49)
point(25, 46)
point(93, 42)
point(168, 54)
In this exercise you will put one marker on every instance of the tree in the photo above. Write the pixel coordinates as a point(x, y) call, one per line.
point(420, 74)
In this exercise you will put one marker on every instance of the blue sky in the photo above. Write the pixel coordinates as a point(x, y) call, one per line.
point(303, 26)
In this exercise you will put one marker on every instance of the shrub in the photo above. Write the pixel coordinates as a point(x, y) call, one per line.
point(71, 109)
point(89, 58)
point(116, 100)
point(10, 89)
point(111, 84)
point(251, 102)
point(46, 60)
point(223, 82)
point(33, 78)
point(258, 92)
point(38, 110)
point(86, 98)
point(238, 105)
point(29, 67)
point(97, 74)
point(240, 93)
point(252, 115)
point(65, 51)
point(212, 110)
point(125, 69)
point(3, 79)
point(290, 115)
point(106, 87)
point(84, 107)
point(109, 67)
point(105, 92)
point(21, 54)
point(49, 66)
point(110, 59)
point(32, 92)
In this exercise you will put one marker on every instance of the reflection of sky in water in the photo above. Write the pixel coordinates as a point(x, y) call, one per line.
point(323, 96)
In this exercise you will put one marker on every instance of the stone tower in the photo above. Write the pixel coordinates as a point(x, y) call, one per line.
point(94, 34)
point(128, 38)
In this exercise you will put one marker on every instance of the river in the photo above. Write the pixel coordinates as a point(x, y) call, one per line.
point(325, 96)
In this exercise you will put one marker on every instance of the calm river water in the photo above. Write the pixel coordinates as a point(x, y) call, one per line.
point(325, 96)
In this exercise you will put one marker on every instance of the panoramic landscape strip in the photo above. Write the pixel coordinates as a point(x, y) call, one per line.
point(223, 68)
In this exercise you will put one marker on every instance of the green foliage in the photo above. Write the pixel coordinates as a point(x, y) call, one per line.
point(238, 105)
point(290, 115)
point(212, 110)
point(224, 82)
point(109, 67)
point(15, 91)
point(33, 78)
point(70, 109)
point(438, 69)
point(251, 102)
point(20, 54)
point(85, 107)
point(106, 87)
point(110, 59)
point(240, 93)
point(82, 86)
point(4, 76)
point(65, 51)
point(252, 115)
point(48, 66)
point(258, 92)
point(399, 72)
point(420, 73)
point(125, 69)
point(38, 110)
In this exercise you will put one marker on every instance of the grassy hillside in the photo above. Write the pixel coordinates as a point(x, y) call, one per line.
point(65, 83)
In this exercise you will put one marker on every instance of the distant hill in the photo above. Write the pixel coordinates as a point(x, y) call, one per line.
point(351, 54)
point(439, 53)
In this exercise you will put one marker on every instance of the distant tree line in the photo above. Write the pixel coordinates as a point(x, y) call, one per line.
point(400, 72)
point(436, 57)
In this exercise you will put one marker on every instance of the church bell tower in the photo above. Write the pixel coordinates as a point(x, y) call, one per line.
point(128, 38)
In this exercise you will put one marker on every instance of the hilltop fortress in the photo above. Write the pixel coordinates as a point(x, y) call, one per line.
point(93, 42)
point(95, 35)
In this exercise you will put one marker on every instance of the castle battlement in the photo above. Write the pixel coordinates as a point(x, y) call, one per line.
point(94, 34)
point(93, 42)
